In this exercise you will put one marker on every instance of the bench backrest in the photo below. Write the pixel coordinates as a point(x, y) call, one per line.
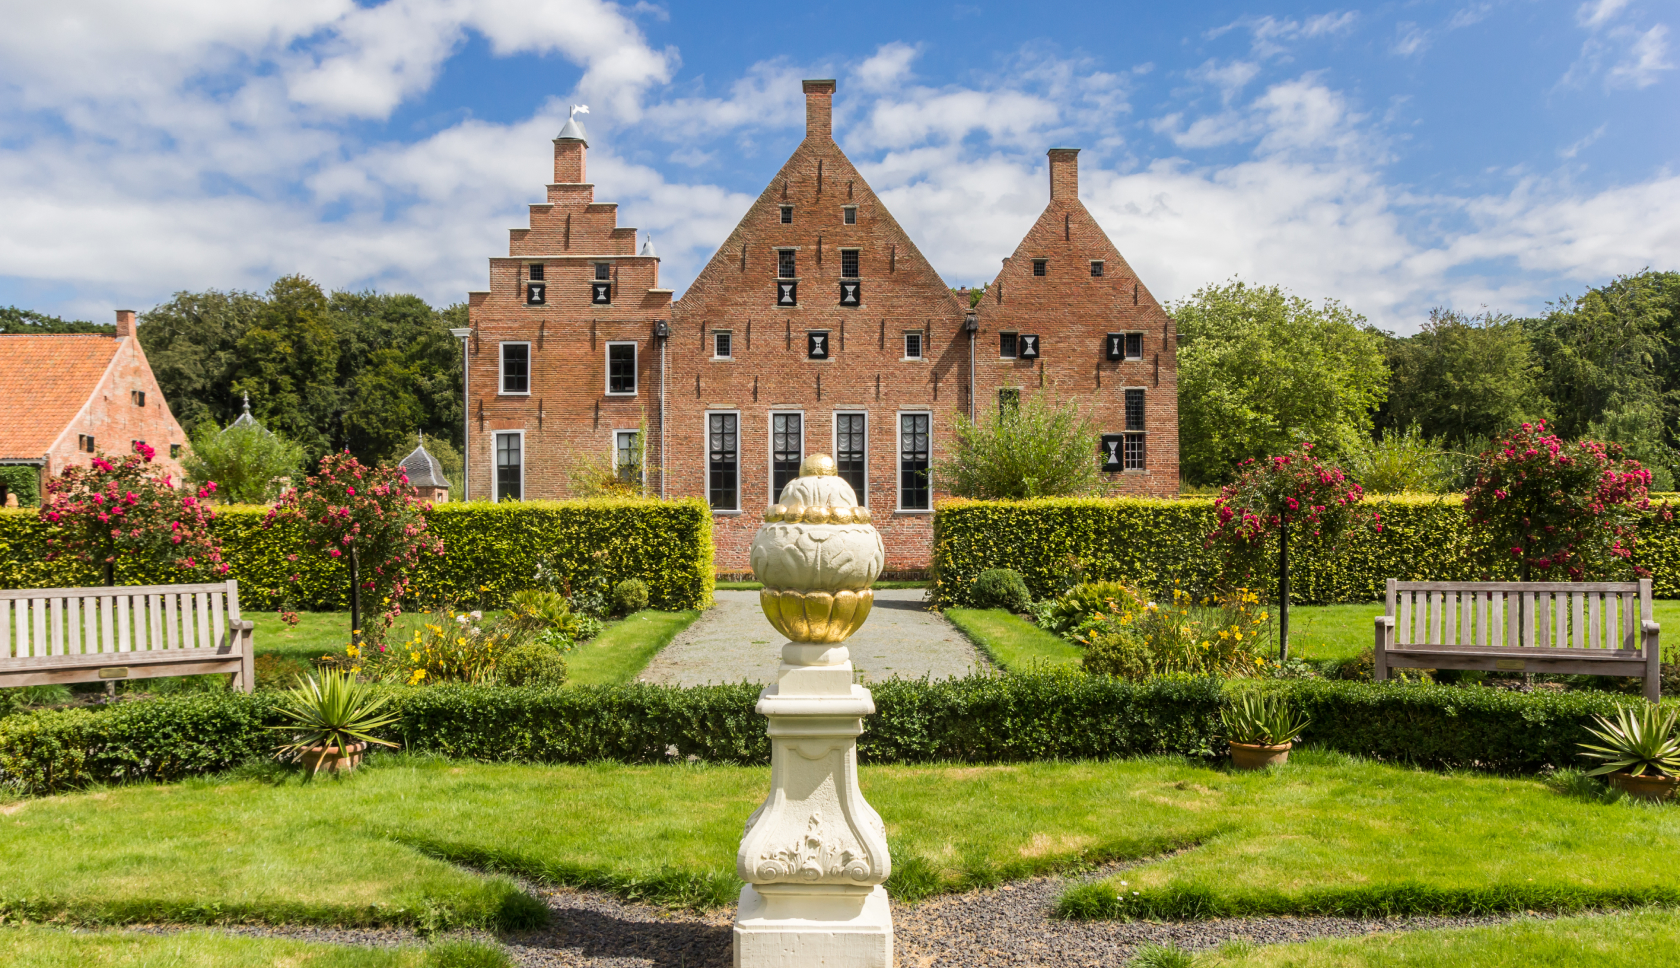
point(1556, 614)
point(124, 618)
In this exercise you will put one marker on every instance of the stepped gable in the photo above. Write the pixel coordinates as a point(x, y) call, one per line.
point(1076, 312)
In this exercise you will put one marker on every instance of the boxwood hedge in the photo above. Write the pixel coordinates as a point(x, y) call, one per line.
point(490, 551)
point(978, 719)
point(1159, 543)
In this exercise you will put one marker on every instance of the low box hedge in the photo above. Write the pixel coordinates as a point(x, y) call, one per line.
point(1158, 543)
point(490, 551)
point(978, 719)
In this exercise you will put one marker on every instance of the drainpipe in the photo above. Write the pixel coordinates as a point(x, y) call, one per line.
point(461, 334)
point(971, 323)
point(662, 332)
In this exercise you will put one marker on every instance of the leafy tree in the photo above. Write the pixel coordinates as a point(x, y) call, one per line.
point(1276, 496)
point(400, 370)
point(1261, 370)
point(102, 511)
point(22, 322)
point(289, 365)
point(247, 463)
point(1037, 448)
point(192, 342)
point(1570, 506)
point(370, 517)
point(1464, 377)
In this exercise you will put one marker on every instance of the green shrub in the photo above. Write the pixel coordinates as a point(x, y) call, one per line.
point(630, 595)
point(978, 719)
point(1001, 588)
point(491, 551)
point(1082, 602)
point(532, 664)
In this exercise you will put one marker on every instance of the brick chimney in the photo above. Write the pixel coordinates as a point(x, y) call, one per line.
point(819, 110)
point(1064, 174)
point(568, 161)
point(125, 323)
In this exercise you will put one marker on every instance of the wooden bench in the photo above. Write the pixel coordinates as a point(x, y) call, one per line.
point(50, 635)
point(1551, 626)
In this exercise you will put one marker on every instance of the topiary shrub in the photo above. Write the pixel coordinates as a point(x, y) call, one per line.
point(531, 664)
point(1002, 588)
point(631, 595)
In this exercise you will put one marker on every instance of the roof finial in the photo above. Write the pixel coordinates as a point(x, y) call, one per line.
point(574, 127)
point(647, 248)
point(247, 403)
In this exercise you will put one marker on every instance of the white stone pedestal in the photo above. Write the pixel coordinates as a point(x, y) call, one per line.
point(814, 855)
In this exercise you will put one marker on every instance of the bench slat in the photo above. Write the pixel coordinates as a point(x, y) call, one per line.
point(1403, 634)
point(1619, 587)
point(16, 594)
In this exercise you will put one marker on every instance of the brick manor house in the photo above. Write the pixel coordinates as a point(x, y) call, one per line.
point(817, 327)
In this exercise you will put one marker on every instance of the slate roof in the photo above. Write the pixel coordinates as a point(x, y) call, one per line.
point(44, 382)
point(423, 469)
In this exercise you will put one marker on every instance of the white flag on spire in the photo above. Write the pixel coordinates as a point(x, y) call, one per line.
point(578, 109)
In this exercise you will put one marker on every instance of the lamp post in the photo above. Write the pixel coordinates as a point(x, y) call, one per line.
point(462, 333)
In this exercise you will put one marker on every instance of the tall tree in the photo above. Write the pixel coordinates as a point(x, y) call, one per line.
point(400, 370)
point(289, 366)
point(192, 342)
point(1463, 378)
point(23, 322)
point(1261, 370)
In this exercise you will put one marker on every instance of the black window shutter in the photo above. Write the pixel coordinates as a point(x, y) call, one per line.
point(535, 293)
point(851, 293)
point(1116, 346)
point(600, 293)
point(816, 346)
point(1028, 347)
point(787, 293)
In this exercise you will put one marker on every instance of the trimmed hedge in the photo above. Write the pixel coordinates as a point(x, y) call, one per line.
point(978, 719)
point(490, 551)
point(1157, 543)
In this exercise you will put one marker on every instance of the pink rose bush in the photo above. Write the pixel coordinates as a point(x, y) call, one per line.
point(103, 511)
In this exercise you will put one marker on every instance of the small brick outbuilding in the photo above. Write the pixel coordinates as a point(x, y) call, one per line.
point(817, 326)
point(66, 398)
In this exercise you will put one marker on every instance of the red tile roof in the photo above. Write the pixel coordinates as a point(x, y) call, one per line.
point(44, 381)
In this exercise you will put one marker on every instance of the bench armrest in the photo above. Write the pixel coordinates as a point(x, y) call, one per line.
point(1649, 627)
point(1387, 620)
point(243, 625)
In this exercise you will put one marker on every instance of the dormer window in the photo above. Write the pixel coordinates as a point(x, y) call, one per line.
point(849, 214)
point(1040, 266)
point(787, 214)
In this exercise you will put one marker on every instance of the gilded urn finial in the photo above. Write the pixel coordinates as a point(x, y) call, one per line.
point(817, 554)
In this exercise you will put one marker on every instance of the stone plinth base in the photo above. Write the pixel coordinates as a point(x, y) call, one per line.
point(794, 926)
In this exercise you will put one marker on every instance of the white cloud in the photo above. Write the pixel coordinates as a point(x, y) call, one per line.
point(888, 67)
point(1598, 13)
point(1269, 33)
point(1412, 39)
point(1646, 58)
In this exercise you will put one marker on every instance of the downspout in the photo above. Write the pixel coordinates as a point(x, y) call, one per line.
point(971, 323)
point(662, 331)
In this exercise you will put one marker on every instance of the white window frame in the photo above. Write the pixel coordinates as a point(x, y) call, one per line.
point(641, 470)
point(501, 368)
point(898, 461)
point(706, 460)
point(723, 332)
point(1126, 338)
point(850, 210)
point(834, 446)
point(495, 468)
point(921, 344)
point(770, 448)
point(635, 367)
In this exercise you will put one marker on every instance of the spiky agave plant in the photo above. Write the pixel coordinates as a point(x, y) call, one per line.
point(1640, 739)
point(334, 710)
point(1260, 719)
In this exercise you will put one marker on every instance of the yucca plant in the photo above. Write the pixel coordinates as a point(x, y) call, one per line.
point(1641, 739)
point(332, 711)
point(1258, 719)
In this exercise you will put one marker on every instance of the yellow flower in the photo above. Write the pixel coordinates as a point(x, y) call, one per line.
point(414, 657)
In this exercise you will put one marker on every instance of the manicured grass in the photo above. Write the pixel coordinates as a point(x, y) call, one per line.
point(1633, 940)
point(1332, 835)
point(36, 947)
point(1324, 834)
point(753, 586)
point(1011, 642)
point(623, 650)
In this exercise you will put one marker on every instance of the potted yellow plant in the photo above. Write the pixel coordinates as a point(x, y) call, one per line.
point(333, 719)
point(1261, 728)
point(1640, 753)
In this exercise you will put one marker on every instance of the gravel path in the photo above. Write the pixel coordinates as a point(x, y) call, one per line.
point(734, 642)
point(1004, 926)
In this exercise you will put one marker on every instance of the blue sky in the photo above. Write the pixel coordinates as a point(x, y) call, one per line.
point(1396, 156)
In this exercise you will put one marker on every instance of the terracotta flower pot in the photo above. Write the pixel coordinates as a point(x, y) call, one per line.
point(1254, 756)
point(1645, 787)
point(328, 759)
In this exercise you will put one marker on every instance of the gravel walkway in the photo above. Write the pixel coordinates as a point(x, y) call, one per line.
point(733, 642)
point(1004, 926)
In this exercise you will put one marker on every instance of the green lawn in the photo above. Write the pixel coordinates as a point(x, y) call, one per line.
point(1633, 940)
point(1324, 833)
point(40, 947)
point(1011, 642)
point(623, 650)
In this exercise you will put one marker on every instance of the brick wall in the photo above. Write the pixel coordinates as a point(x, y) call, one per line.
point(114, 419)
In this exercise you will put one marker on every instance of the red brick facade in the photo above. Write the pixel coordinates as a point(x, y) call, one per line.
point(832, 360)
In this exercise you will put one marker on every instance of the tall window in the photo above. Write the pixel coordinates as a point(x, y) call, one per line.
point(914, 431)
point(621, 369)
point(787, 449)
point(1135, 434)
point(516, 367)
point(851, 455)
point(510, 467)
point(848, 263)
point(785, 264)
point(627, 455)
point(723, 461)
